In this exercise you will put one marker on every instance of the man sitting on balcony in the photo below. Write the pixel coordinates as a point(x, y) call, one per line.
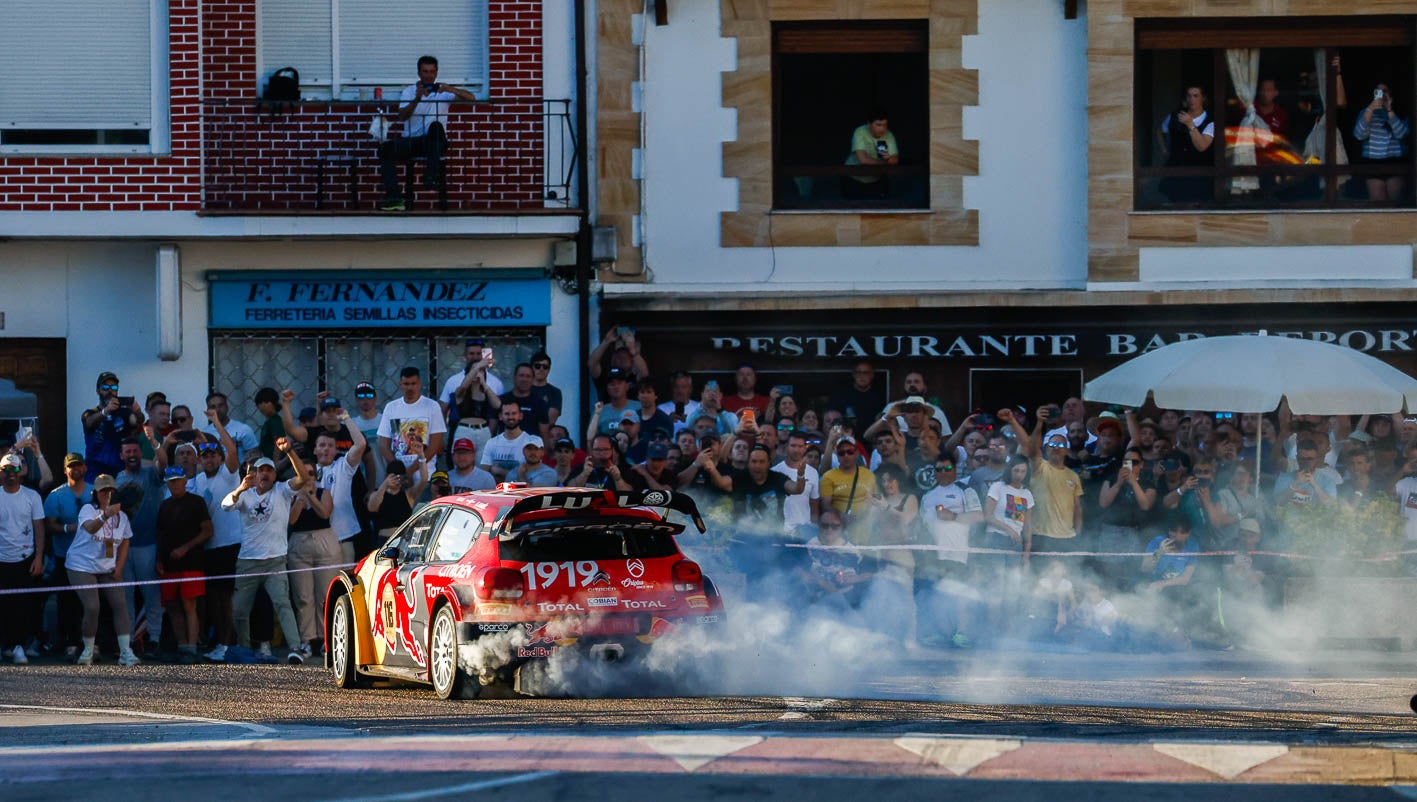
point(424, 110)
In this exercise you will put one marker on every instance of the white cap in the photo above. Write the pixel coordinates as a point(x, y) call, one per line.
point(533, 440)
point(11, 461)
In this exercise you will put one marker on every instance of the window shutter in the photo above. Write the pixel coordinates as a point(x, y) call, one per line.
point(296, 33)
point(78, 64)
point(380, 42)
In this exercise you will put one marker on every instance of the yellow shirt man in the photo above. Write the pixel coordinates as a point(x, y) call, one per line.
point(1058, 492)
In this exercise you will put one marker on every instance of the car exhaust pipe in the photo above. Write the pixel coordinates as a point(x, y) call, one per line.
point(608, 652)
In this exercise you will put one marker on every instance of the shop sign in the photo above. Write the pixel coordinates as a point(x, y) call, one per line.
point(1051, 345)
point(349, 301)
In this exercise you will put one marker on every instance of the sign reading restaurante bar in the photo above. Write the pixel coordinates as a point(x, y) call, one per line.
point(349, 300)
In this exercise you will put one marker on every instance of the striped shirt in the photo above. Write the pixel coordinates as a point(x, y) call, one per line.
point(1382, 135)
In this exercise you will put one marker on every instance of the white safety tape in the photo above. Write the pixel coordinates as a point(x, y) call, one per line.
point(1388, 557)
point(135, 583)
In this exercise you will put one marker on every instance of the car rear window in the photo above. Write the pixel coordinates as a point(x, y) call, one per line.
point(556, 541)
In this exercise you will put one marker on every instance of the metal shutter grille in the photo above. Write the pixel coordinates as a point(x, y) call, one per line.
point(296, 33)
point(380, 42)
point(84, 64)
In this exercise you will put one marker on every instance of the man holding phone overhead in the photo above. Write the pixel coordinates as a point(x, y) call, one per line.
point(106, 425)
point(423, 107)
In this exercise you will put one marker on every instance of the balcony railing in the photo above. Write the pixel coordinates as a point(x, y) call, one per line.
point(318, 157)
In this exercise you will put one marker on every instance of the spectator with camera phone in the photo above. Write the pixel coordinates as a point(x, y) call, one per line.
point(423, 108)
point(1382, 133)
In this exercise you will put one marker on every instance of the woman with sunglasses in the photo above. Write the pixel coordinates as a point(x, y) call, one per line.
point(96, 558)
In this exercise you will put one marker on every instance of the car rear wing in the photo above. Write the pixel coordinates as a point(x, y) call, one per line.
point(606, 500)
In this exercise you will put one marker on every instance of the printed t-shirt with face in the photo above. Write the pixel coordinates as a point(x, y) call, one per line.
point(952, 536)
point(18, 512)
point(504, 453)
point(797, 510)
point(1057, 491)
point(421, 419)
point(178, 521)
point(1406, 492)
point(1011, 505)
point(62, 505)
point(97, 552)
point(337, 479)
point(758, 506)
point(265, 521)
point(226, 524)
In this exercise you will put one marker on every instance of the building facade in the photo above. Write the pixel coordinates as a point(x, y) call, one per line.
point(174, 223)
point(1040, 220)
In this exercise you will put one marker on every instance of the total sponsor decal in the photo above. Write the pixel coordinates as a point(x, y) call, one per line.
point(643, 604)
point(559, 607)
point(603, 601)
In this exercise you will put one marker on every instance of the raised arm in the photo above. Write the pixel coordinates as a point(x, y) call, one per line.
point(294, 428)
point(228, 444)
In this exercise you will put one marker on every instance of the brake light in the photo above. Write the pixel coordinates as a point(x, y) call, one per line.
point(501, 584)
point(687, 576)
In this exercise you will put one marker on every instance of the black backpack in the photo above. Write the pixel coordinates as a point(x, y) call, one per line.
point(283, 86)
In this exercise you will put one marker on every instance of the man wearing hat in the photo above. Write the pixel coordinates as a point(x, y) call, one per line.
point(914, 410)
point(533, 472)
point(61, 523)
point(21, 558)
point(916, 389)
point(655, 473)
point(105, 427)
point(366, 417)
point(264, 506)
point(618, 383)
point(184, 525)
point(1058, 490)
point(466, 477)
point(438, 486)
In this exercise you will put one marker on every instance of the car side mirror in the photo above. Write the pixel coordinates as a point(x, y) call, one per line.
point(390, 554)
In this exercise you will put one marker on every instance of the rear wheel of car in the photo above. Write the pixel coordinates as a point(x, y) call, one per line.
point(341, 646)
point(449, 681)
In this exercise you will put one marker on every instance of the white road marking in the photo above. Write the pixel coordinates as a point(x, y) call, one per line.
point(959, 755)
point(449, 790)
point(695, 751)
point(1227, 760)
point(255, 729)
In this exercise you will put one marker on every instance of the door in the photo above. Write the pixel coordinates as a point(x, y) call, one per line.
point(392, 594)
point(38, 366)
point(994, 389)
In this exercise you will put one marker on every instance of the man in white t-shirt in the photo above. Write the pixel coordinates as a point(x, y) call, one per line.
point(424, 109)
point(337, 478)
point(950, 511)
point(503, 453)
point(410, 420)
point(799, 509)
point(245, 436)
point(216, 478)
point(264, 505)
point(472, 355)
point(21, 558)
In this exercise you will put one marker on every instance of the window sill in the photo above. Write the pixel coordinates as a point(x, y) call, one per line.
point(903, 210)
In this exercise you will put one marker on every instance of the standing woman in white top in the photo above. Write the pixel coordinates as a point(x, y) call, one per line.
point(96, 558)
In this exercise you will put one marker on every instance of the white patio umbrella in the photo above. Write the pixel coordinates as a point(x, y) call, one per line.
point(1252, 373)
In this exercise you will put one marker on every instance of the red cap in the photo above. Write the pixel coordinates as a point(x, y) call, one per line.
point(463, 444)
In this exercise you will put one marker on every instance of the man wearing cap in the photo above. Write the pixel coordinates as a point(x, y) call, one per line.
point(1073, 409)
point(411, 421)
point(244, 436)
point(617, 400)
point(339, 476)
point(330, 418)
point(438, 487)
point(216, 477)
point(913, 410)
point(61, 522)
point(183, 527)
point(366, 403)
point(535, 417)
point(503, 453)
point(264, 506)
point(466, 477)
point(655, 473)
point(1057, 490)
point(22, 525)
point(140, 491)
point(917, 391)
point(533, 472)
point(950, 511)
point(847, 489)
point(105, 427)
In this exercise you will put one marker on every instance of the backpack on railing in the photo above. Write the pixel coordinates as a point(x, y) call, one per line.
point(282, 91)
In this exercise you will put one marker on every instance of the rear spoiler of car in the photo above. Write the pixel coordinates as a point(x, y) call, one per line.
point(585, 500)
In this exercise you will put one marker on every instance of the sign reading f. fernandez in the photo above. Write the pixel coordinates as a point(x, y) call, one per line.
point(351, 300)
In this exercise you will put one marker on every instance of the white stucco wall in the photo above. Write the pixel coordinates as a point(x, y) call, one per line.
point(101, 297)
point(1031, 191)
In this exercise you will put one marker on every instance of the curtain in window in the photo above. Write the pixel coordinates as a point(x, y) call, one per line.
point(1245, 74)
point(1316, 146)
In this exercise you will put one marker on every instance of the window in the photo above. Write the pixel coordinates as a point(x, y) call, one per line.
point(456, 536)
point(412, 538)
point(81, 76)
point(1292, 126)
point(342, 46)
point(828, 78)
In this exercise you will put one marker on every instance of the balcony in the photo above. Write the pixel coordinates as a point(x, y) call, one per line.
point(317, 158)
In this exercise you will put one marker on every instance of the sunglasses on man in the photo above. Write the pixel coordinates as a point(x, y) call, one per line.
point(110, 388)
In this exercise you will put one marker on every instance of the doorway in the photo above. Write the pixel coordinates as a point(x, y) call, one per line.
point(991, 389)
point(40, 366)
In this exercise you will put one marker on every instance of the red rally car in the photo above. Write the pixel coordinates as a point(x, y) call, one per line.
point(475, 585)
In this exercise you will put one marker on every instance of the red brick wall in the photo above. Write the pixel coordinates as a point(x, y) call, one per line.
point(254, 162)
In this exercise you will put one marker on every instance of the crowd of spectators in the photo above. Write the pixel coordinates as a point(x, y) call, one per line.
point(1092, 527)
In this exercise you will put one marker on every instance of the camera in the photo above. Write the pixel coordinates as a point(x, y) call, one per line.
point(1203, 482)
point(1377, 94)
point(1055, 413)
